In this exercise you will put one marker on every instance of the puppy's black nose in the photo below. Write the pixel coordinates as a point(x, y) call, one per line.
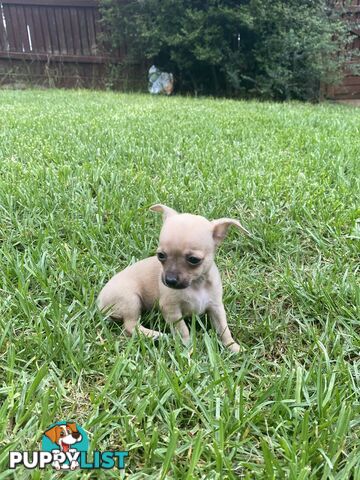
point(171, 280)
point(75, 434)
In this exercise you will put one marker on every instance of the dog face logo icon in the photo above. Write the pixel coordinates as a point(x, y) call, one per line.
point(64, 435)
point(66, 440)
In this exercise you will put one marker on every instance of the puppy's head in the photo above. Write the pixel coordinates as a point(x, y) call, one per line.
point(187, 245)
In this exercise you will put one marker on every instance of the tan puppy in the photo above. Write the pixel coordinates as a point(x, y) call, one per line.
point(183, 277)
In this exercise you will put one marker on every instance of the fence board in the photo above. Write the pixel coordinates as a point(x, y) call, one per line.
point(97, 19)
point(11, 28)
point(23, 33)
point(4, 45)
point(60, 30)
point(68, 31)
point(32, 19)
point(89, 12)
point(75, 31)
point(85, 49)
point(55, 48)
point(29, 24)
point(45, 30)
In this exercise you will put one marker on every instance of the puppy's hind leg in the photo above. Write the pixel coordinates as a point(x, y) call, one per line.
point(126, 308)
point(130, 325)
point(130, 315)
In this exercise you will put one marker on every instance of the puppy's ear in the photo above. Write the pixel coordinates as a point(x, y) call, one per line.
point(221, 226)
point(166, 211)
point(72, 426)
point(53, 433)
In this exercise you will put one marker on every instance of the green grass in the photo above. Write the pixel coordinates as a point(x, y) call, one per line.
point(78, 171)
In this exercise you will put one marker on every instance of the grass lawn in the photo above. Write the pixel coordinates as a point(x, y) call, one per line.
point(78, 171)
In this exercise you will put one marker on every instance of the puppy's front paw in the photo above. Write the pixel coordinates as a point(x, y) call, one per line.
point(234, 347)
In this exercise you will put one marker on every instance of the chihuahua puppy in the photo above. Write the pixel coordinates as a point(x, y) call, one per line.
point(182, 276)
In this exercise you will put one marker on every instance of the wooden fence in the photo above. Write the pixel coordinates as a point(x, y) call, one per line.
point(350, 87)
point(66, 30)
point(54, 42)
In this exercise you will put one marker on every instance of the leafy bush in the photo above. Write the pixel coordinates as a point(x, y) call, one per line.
point(280, 49)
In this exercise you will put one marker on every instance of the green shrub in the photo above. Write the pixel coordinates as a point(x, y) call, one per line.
point(280, 49)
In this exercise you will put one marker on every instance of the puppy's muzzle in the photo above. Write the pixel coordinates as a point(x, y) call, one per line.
point(171, 280)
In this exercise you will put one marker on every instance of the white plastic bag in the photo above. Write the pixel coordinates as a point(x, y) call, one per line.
point(160, 82)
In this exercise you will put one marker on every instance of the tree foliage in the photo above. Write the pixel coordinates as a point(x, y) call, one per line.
point(280, 49)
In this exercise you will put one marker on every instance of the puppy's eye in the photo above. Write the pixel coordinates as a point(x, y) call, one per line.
point(193, 260)
point(62, 434)
point(161, 256)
